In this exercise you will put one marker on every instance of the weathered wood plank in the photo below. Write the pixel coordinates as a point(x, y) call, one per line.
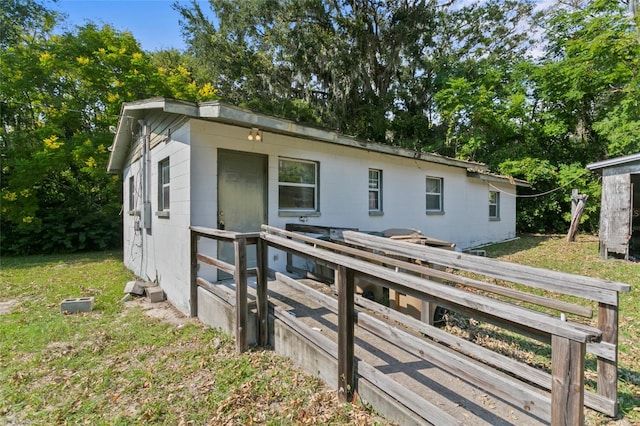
point(221, 291)
point(402, 281)
point(261, 292)
point(414, 402)
point(498, 384)
point(577, 207)
point(603, 350)
point(193, 271)
point(346, 320)
point(321, 342)
point(434, 273)
point(608, 367)
point(242, 309)
point(428, 411)
point(223, 266)
point(220, 234)
point(615, 214)
point(465, 347)
point(586, 287)
point(606, 351)
point(487, 356)
point(315, 229)
point(509, 389)
point(567, 383)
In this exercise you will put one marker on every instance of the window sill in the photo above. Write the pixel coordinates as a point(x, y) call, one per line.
point(494, 219)
point(290, 213)
point(164, 214)
point(133, 212)
point(434, 212)
point(376, 213)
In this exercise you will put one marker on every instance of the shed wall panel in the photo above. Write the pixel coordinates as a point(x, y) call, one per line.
point(615, 215)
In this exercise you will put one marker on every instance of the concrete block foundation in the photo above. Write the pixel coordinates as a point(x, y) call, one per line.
point(155, 294)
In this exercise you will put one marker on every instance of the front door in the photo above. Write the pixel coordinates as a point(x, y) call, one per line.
point(242, 199)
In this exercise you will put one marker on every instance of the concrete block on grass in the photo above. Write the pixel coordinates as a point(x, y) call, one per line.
point(155, 294)
point(135, 287)
point(79, 304)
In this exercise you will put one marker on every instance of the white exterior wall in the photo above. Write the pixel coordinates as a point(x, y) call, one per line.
point(344, 188)
point(163, 254)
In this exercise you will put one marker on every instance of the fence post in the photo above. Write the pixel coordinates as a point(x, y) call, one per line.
point(193, 302)
point(262, 250)
point(346, 319)
point(567, 381)
point(607, 369)
point(240, 277)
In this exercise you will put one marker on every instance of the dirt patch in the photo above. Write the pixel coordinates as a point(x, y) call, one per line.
point(164, 311)
point(7, 307)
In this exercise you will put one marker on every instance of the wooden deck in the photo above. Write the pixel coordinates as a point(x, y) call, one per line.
point(439, 377)
point(421, 378)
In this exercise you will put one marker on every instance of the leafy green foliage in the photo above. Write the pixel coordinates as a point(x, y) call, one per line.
point(553, 185)
point(589, 79)
point(488, 81)
point(61, 92)
point(527, 94)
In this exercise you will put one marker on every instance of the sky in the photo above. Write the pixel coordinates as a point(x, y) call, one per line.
point(153, 23)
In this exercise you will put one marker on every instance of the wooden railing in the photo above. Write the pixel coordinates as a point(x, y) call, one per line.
point(240, 273)
point(570, 340)
point(603, 292)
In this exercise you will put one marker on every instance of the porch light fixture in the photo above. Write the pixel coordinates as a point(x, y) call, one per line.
point(255, 134)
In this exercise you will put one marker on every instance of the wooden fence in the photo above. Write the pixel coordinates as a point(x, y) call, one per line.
point(570, 340)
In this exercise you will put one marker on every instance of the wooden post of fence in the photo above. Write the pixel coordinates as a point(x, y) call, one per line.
point(262, 250)
point(608, 369)
point(193, 302)
point(242, 309)
point(346, 318)
point(577, 207)
point(567, 381)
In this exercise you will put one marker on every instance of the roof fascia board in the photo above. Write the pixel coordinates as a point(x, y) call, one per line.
point(498, 179)
point(614, 162)
point(121, 140)
point(217, 111)
point(221, 112)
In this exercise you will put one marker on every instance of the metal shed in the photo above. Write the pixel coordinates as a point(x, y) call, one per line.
point(620, 206)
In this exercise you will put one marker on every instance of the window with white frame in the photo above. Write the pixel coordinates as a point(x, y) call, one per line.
point(163, 185)
point(375, 191)
point(297, 185)
point(494, 205)
point(434, 195)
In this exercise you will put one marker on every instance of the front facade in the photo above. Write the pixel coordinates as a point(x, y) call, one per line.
point(619, 231)
point(213, 165)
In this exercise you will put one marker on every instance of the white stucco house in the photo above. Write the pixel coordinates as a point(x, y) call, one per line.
point(214, 165)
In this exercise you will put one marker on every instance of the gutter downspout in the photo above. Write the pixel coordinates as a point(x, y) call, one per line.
point(146, 176)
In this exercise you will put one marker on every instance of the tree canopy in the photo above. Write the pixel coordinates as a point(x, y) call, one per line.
point(60, 93)
point(533, 93)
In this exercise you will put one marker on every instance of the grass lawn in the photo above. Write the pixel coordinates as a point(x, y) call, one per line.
point(119, 365)
point(582, 258)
